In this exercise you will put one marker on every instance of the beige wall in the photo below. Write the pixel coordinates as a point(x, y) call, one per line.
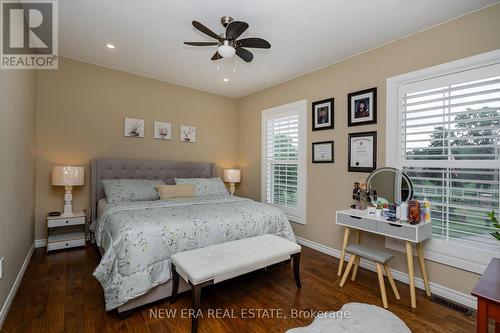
point(17, 171)
point(80, 113)
point(329, 185)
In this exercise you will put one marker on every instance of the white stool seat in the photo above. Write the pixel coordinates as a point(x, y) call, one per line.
point(380, 256)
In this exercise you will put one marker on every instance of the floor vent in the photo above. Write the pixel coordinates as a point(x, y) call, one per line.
point(452, 305)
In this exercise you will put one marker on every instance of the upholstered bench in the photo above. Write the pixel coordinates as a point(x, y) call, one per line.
point(380, 257)
point(216, 263)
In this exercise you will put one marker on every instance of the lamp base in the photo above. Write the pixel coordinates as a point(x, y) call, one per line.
point(68, 202)
point(232, 188)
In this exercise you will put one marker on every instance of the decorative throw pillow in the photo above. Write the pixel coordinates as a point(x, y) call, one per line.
point(205, 186)
point(175, 191)
point(118, 190)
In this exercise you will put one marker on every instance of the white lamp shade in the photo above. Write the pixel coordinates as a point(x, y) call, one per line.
point(232, 175)
point(68, 175)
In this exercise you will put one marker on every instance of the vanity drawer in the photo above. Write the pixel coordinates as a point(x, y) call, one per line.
point(62, 222)
point(357, 222)
point(397, 231)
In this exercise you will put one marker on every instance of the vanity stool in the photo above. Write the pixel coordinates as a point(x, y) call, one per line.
point(358, 251)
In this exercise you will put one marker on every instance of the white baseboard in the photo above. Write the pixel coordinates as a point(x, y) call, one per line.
point(437, 289)
point(15, 286)
point(40, 243)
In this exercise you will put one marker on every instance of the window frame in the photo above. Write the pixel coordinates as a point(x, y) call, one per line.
point(449, 252)
point(301, 108)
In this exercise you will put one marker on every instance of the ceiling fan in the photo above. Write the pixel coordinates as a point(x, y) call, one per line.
point(228, 43)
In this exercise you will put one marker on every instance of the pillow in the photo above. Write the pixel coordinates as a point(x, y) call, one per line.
point(175, 191)
point(118, 190)
point(205, 186)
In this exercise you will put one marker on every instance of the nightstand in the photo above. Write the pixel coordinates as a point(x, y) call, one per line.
point(64, 232)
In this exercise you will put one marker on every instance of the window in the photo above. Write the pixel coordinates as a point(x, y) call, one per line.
point(447, 128)
point(284, 159)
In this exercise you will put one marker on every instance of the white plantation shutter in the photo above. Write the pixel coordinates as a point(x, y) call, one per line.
point(283, 159)
point(450, 148)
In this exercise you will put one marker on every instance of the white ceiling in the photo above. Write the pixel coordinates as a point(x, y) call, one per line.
point(304, 34)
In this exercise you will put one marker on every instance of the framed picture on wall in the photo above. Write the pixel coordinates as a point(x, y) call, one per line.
point(322, 152)
point(362, 107)
point(163, 131)
point(188, 133)
point(323, 114)
point(362, 152)
point(134, 127)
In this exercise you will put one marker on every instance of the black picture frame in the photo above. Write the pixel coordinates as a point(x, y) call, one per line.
point(372, 134)
point(314, 160)
point(351, 99)
point(331, 115)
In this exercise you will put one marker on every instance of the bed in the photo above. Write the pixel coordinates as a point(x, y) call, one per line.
point(136, 239)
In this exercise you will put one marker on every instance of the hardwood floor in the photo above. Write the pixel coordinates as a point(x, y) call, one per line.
point(59, 294)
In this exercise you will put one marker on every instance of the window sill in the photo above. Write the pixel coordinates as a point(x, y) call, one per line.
point(450, 253)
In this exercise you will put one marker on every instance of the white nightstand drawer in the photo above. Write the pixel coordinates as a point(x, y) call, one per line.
point(62, 222)
point(65, 244)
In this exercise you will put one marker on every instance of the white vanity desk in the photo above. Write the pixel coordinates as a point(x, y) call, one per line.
point(359, 220)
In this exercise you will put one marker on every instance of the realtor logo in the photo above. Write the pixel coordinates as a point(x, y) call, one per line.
point(29, 34)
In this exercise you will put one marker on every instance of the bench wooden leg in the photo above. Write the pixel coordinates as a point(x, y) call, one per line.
point(382, 285)
point(196, 294)
point(175, 285)
point(348, 269)
point(296, 268)
point(391, 281)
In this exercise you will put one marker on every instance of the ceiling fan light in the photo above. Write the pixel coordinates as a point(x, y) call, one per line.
point(226, 51)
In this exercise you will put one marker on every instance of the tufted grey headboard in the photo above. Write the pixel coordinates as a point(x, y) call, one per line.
point(143, 169)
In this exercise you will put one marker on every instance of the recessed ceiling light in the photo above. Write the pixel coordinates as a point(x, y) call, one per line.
point(226, 80)
point(110, 46)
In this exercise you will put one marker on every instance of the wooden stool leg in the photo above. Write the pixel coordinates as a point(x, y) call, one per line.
point(196, 294)
point(409, 259)
point(342, 254)
point(175, 285)
point(391, 281)
point(348, 269)
point(355, 270)
point(423, 270)
point(382, 285)
point(296, 269)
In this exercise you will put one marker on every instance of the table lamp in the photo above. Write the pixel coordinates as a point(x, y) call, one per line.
point(68, 176)
point(232, 176)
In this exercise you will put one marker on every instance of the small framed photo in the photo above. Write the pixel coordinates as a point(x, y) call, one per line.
point(134, 127)
point(323, 114)
point(362, 107)
point(163, 131)
point(362, 152)
point(188, 133)
point(322, 152)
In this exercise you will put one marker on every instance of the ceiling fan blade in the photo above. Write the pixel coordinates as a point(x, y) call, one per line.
point(235, 29)
point(244, 54)
point(258, 43)
point(201, 43)
point(216, 56)
point(205, 30)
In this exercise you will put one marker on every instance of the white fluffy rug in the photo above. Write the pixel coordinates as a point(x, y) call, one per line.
point(362, 318)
